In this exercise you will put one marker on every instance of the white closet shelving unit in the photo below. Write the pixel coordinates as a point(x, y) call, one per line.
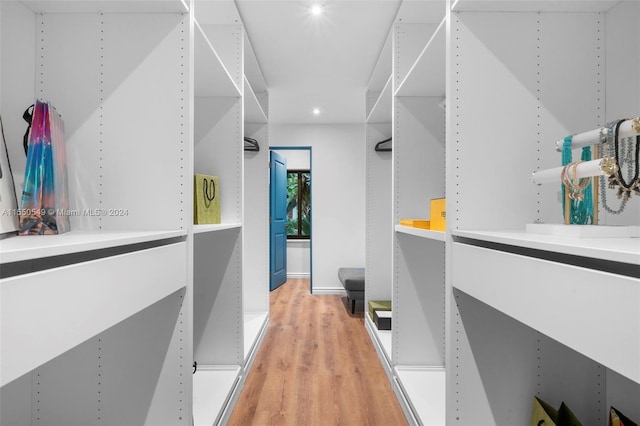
point(256, 214)
point(96, 327)
point(418, 255)
point(406, 265)
point(530, 315)
point(231, 299)
point(218, 342)
point(101, 325)
point(378, 284)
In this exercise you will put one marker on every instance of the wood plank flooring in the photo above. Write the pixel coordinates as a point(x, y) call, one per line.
point(316, 366)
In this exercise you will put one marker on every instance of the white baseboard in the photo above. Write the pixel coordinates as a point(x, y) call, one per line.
point(329, 290)
point(317, 289)
point(306, 275)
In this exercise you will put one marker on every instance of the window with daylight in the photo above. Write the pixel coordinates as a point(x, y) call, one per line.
point(298, 204)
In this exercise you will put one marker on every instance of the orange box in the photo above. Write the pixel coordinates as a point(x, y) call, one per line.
point(415, 223)
point(438, 214)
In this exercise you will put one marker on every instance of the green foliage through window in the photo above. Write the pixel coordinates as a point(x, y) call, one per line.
point(298, 204)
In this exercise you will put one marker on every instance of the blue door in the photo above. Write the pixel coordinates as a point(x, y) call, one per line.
point(277, 220)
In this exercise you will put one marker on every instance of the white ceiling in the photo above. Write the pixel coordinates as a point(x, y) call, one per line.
point(323, 61)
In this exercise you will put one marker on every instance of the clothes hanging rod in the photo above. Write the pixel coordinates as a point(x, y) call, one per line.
point(600, 167)
point(629, 128)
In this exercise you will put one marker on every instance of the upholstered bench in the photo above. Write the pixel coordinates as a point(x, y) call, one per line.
point(352, 280)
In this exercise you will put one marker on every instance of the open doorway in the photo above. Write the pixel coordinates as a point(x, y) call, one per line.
point(298, 226)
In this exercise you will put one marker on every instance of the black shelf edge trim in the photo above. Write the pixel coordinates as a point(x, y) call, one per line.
point(22, 267)
point(602, 265)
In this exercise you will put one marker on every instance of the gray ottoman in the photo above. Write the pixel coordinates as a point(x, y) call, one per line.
point(352, 280)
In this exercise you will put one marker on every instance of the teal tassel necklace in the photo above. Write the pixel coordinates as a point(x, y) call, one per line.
point(581, 211)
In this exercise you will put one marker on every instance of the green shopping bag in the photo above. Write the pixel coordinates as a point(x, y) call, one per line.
point(206, 209)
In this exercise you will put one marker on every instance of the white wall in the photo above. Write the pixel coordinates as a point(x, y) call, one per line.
point(17, 81)
point(296, 159)
point(298, 258)
point(338, 192)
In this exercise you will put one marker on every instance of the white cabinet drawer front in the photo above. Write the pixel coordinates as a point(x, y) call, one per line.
point(595, 313)
point(44, 314)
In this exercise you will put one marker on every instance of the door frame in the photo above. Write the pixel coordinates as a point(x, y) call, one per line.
point(303, 148)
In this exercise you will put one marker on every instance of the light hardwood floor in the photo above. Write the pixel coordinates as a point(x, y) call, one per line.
point(316, 366)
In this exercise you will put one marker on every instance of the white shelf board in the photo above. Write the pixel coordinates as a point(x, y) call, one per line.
point(383, 337)
point(211, 76)
point(382, 110)
point(382, 342)
point(583, 308)
point(253, 112)
point(533, 5)
point(44, 314)
point(583, 231)
point(254, 323)
point(212, 387)
point(423, 233)
point(20, 248)
point(204, 229)
point(425, 389)
point(625, 250)
point(108, 6)
point(427, 75)
point(252, 70)
point(382, 70)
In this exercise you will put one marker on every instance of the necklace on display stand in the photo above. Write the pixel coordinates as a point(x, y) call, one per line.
point(609, 145)
point(625, 153)
point(577, 196)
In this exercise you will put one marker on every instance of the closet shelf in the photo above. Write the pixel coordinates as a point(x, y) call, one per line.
point(532, 5)
point(426, 77)
point(255, 326)
point(419, 232)
point(426, 389)
point(205, 229)
point(252, 70)
point(211, 76)
point(383, 337)
point(381, 111)
point(107, 6)
point(253, 112)
point(624, 250)
point(582, 308)
point(46, 313)
point(21, 248)
point(382, 70)
point(212, 388)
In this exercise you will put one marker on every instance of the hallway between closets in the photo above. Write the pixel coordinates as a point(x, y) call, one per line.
point(316, 366)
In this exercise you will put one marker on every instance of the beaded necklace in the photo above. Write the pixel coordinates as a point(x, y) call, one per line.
point(580, 207)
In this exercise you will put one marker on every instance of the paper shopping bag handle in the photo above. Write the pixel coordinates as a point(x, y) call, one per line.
point(208, 196)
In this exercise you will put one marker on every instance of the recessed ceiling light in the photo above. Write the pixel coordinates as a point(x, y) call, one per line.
point(316, 9)
point(316, 111)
